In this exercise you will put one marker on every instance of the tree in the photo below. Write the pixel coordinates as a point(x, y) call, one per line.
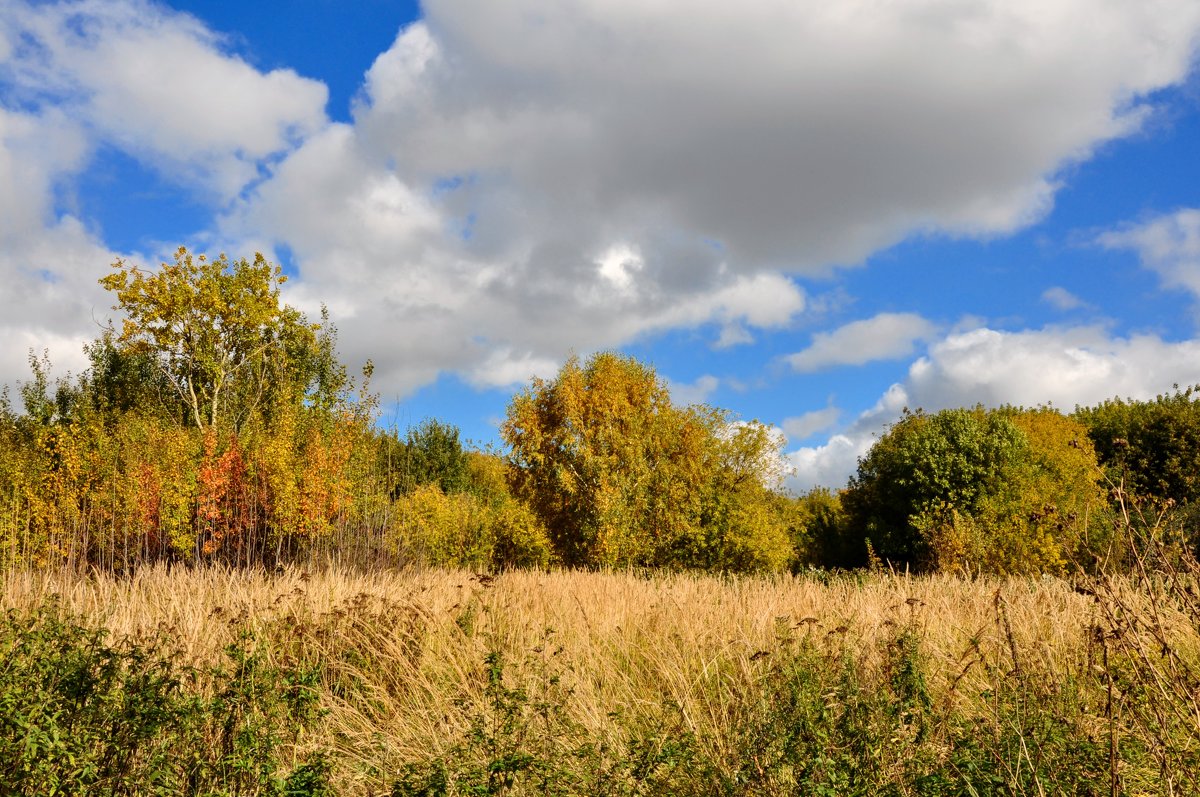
point(1003, 490)
point(1153, 446)
point(1151, 449)
point(1050, 511)
point(621, 476)
point(433, 454)
point(924, 464)
point(215, 329)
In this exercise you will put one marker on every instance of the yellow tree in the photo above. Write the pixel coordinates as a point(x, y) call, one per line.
point(621, 476)
point(214, 327)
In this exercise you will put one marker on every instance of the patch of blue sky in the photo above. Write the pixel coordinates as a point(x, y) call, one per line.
point(448, 185)
point(286, 259)
point(132, 206)
point(476, 412)
point(330, 40)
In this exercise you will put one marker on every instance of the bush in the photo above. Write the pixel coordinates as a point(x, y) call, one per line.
point(82, 715)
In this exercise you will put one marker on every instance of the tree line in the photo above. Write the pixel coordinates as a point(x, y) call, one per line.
point(216, 424)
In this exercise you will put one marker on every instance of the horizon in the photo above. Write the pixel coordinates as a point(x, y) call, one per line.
point(811, 216)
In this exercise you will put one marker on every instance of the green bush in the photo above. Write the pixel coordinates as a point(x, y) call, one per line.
point(81, 714)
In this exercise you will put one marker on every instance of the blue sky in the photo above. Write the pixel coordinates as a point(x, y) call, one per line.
point(810, 214)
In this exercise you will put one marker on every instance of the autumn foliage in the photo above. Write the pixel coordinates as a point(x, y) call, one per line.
point(215, 424)
point(621, 476)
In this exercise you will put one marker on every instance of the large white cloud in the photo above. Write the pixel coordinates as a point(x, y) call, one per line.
point(48, 292)
point(526, 178)
point(522, 179)
point(794, 133)
point(79, 76)
point(1065, 367)
point(410, 288)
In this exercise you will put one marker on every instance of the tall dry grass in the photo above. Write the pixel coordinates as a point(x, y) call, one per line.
point(403, 653)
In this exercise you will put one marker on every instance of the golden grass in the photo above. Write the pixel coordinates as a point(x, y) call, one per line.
point(404, 650)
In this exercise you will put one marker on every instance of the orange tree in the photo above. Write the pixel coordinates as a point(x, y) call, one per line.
point(259, 385)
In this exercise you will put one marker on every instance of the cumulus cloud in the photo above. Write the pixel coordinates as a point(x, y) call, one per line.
point(79, 76)
point(1063, 366)
point(696, 392)
point(414, 290)
point(522, 179)
point(48, 292)
point(583, 174)
point(887, 336)
point(843, 128)
point(1170, 245)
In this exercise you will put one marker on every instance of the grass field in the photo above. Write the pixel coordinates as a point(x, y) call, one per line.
point(431, 682)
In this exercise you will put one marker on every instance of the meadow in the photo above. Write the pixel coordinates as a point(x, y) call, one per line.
point(427, 682)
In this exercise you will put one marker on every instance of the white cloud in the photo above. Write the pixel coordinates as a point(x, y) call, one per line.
point(49, 263)
point(157, 84)
point(504, 368)
point(36, 150)
point(76, 76)
point(827, 465)
point(887, 336)
point(831, 463)
point(1170, 245)
point(619, 266)
point(843, 128)
point(585, 174)
point(1063, 366)
point(1062, 299)
point(581, 175)
point(385, 257)
point(804, 426)
point(500, 152)
point(696, 392)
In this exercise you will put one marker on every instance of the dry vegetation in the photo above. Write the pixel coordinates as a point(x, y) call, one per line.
point(595, 666)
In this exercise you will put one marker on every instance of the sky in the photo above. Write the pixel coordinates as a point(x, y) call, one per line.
point(810, 214)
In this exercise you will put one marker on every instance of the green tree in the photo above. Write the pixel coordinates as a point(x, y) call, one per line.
point(433, 454)
point(1151, 449)
point(817, 523)
point(1006, 490)
point(1153, 446)
point(215, 329)
point(924, 464)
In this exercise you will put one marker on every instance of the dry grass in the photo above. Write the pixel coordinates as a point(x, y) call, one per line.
point(404, 651)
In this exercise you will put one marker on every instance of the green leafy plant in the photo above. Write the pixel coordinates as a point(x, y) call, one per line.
point(80, 714)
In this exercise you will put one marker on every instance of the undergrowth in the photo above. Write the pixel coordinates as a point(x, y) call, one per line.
point(412, 694)
point(81, 713)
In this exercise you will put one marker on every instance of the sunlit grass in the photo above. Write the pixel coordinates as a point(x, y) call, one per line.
point(403, 654)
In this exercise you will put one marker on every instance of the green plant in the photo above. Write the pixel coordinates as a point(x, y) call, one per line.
point(82, 715)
